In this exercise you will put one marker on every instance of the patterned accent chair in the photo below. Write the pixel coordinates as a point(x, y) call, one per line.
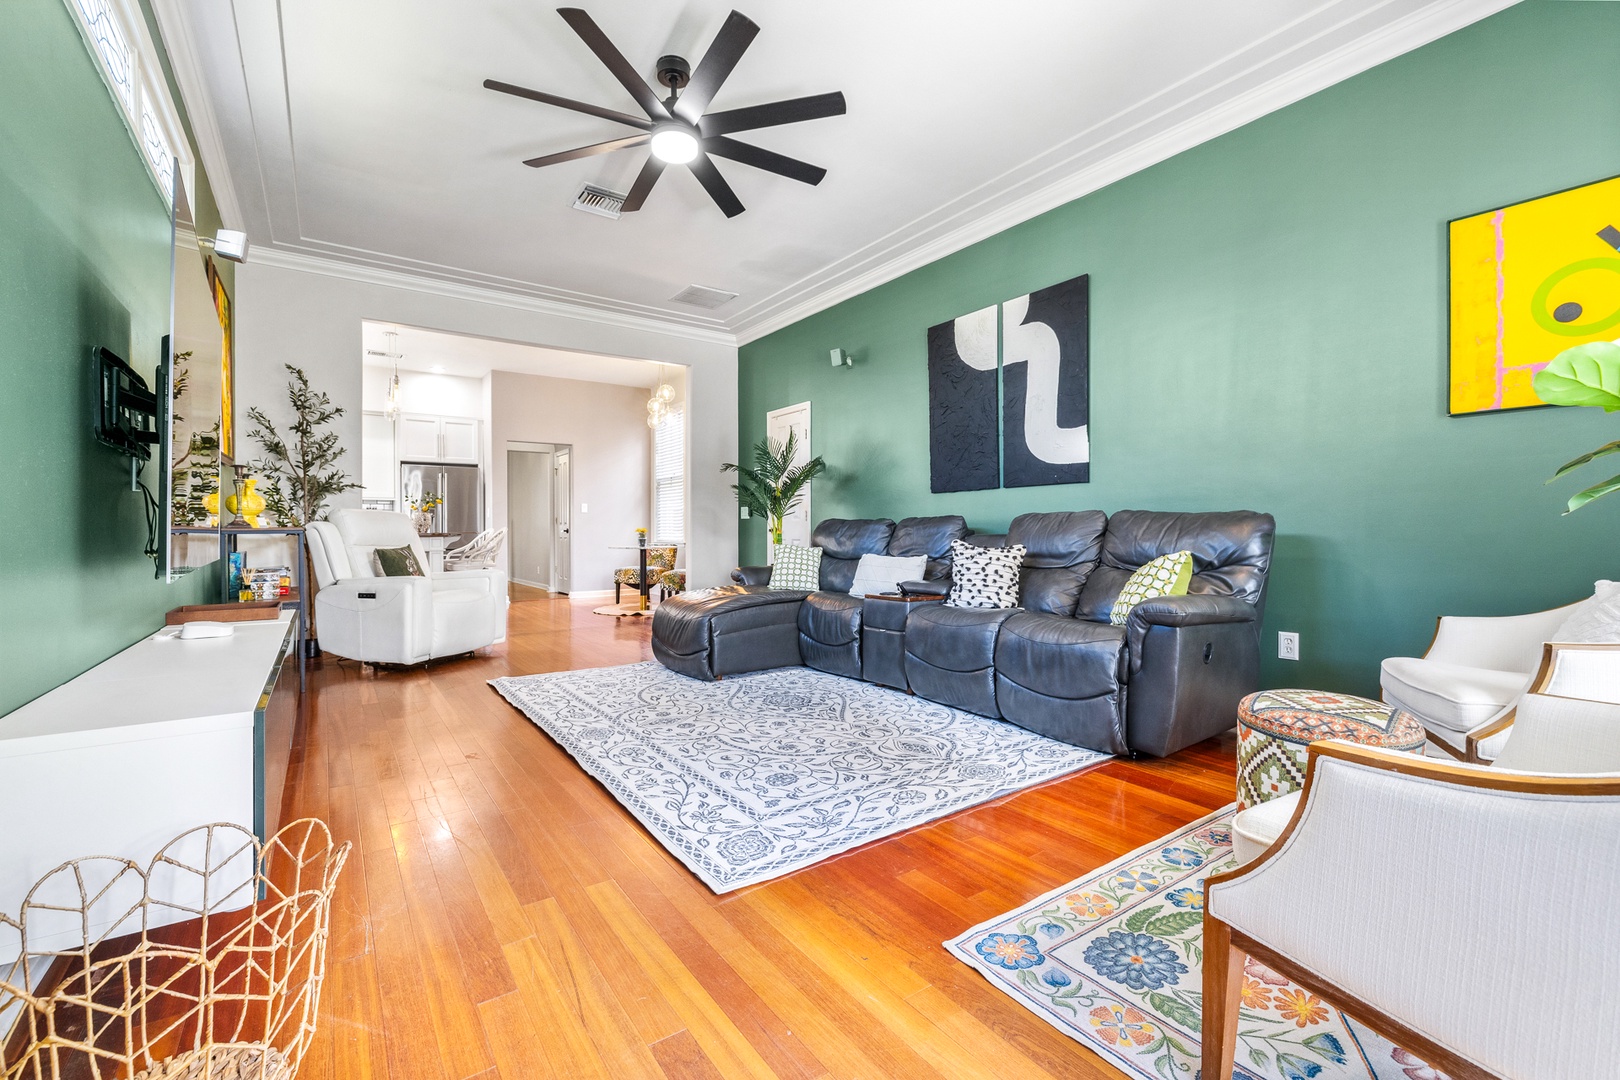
point(660, 560)
point(671, 582)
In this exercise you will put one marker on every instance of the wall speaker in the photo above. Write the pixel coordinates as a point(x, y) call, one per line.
point(840, 358)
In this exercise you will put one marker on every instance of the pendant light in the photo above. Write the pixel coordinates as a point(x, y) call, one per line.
point(658, 404)
point(391, 408)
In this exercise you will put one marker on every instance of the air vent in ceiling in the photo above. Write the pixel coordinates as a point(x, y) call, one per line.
point(595, 200)
point(702, 296)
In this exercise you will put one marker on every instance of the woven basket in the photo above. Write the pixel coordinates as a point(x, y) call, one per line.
point(205, 965)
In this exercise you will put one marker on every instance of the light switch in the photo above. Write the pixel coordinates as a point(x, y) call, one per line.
point(584, 508)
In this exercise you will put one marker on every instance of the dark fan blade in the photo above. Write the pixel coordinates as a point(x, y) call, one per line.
point(589, 151)
point(567, 103)
point(769, 160)
point(645, 179)
point(777, 112)
point(716, 185)
point(599, 44)
point(729, 44)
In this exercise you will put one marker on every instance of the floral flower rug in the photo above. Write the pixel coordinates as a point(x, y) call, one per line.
point(1115, 960)
point(746, 779)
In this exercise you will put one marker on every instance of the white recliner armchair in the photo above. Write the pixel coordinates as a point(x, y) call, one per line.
point(1472, 675)
point(397, 620)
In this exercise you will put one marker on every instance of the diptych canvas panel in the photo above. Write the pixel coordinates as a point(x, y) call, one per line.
point(1035, 350)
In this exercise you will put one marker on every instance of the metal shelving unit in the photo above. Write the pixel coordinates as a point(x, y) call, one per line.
point(299, 599)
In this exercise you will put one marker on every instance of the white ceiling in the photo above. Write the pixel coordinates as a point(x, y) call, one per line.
point(474, 357)
point(359, 133)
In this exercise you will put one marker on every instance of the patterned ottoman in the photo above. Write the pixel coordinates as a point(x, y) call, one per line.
point(1275, 728)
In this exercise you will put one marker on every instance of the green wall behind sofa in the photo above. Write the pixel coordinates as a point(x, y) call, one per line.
point(84, 261)
point(1268, 321)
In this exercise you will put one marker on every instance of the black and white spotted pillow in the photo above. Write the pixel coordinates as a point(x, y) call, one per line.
point(984, 577)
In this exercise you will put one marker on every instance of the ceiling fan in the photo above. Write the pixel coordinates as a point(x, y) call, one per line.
point(678, 130)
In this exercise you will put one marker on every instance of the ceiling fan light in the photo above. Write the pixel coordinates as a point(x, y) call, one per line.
point(674, 144)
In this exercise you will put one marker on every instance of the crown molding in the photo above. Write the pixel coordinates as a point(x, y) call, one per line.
point(177, 42)
point(921, 242)
point(397, 279)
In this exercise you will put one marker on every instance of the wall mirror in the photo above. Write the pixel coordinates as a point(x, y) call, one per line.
point(199, 390)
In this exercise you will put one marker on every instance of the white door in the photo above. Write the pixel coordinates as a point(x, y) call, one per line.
point(419, 438)
point(460, 439)
point(778, 422)
point(562, 497)
point(528, 501)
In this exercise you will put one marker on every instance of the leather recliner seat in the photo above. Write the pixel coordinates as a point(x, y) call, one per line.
point(829, 619)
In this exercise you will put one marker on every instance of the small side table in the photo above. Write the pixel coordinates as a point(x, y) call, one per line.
point(883, 637)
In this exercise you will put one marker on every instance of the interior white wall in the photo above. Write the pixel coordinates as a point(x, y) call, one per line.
point(424, 392)
point(313, 321)
point(607, 428)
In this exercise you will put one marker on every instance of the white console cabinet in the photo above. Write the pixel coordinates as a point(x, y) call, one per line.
point(161, 738)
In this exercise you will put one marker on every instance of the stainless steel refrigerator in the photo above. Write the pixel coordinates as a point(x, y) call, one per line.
point(462, 510)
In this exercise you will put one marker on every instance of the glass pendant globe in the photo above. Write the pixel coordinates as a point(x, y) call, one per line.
point(665, 393)
point(674, 144)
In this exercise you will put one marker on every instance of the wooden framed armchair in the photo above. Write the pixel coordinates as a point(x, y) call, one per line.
point(1442, 904)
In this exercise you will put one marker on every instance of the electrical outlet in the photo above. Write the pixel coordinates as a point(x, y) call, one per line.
point(1287, 645)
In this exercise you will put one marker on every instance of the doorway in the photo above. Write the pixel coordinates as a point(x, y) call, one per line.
point(539, 487)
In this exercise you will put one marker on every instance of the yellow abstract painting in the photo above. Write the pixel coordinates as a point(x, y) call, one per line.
point(1527, 282)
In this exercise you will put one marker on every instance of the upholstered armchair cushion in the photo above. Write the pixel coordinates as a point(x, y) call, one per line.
point(1455, 697)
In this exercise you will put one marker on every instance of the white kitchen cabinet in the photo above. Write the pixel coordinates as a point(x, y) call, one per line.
point(378, 472)
point(418, 438)
point(438, 438)
point(458, 439)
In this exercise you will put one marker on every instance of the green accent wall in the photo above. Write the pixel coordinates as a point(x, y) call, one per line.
point(84, 261)
point(1268, 331)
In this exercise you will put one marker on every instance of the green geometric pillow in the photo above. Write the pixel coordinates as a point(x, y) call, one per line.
point(796, 568)
point(1167, 575)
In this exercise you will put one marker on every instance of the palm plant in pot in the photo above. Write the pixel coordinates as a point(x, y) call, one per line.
point(775, 484)
point(1585, 375)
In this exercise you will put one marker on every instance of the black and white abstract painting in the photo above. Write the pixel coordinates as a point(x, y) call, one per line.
point(963, 451)
point(1045, 392)
point(1009, 393)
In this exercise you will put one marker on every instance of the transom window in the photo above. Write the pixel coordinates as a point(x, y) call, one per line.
point(115, 33)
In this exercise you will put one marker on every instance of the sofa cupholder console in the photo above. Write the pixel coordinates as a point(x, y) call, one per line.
point(1055, 664)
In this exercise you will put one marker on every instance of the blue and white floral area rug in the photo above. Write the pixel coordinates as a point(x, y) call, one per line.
point(1115, 960)
point(751, 777)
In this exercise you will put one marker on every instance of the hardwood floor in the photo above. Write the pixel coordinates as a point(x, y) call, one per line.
point(503, 917)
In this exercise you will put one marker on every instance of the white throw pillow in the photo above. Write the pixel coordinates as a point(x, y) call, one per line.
point(1594, 619)
point(881, 573)
point(984, 577)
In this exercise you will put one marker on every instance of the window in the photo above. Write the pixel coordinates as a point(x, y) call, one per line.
point(115, 33)
point(669, 479)
point(112, 47)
